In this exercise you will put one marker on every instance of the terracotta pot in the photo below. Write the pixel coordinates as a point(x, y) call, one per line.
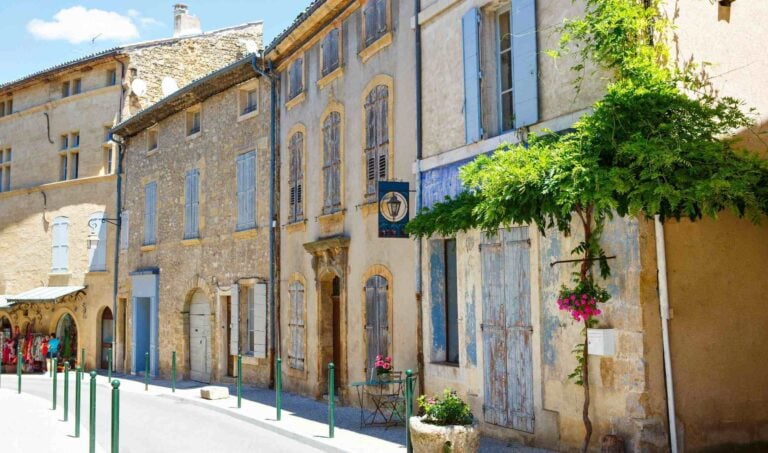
point(428, 438)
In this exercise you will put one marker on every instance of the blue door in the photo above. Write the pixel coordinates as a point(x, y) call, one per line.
point(141, 319)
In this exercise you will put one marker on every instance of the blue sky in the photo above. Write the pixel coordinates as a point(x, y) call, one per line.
point(37, 34)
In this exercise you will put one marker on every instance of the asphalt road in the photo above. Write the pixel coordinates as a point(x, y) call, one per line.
point(151, 424)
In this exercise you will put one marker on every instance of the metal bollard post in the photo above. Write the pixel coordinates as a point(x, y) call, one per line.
point(173, 372)
point(408, 409)
point(55, 380)
point(331, 401)
point(82, 363)
point(279, 388)
point(239, 380)
point(146, 371)
point(115, 416)
point(18, 364)
point(92, 425)
point(78, 378)
point(66, 391)
point(109, 365)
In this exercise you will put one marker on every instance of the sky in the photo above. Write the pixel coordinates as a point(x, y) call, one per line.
point(37, 34)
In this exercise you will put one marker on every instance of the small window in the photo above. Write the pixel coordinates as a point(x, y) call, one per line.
point(107, 134)
point(250, 334)
point(331, 51)
point(8, 155)
point(505, 71)
point(296, 78)
point(193, 122)
point(75, 140)
point(151, 139)
point(191, 204)
point(6, 178)
point(111, 77)
point(2, 109)
point(77, 86)
point(9, 106)
point(75, 165)
point(108, 160)
point(65, 89)
point(63, 167)
point(249, 101)
point(376, 22)
point(150, 222)
point(64, 141)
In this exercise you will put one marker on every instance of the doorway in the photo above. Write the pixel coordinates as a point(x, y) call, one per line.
point(141, 320)
point(107, 324)
point(66, 332)
point(200, 338)
point(230, 357)
point(331, 348)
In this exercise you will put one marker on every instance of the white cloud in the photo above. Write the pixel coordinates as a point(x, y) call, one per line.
point(78, 24)
point(149, 21)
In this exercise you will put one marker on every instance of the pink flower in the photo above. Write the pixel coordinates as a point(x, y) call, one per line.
point(583, 296)
point(389, 359)
point(573, 296)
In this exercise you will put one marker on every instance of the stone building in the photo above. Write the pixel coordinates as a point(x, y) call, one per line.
point(491, 327)
point(346, 123)
point(194, 258)
point(58, 183)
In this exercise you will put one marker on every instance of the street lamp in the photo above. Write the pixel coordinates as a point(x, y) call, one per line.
point(393, 205)
point(93, 236)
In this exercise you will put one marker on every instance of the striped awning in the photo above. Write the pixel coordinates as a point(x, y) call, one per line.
point(44, 294)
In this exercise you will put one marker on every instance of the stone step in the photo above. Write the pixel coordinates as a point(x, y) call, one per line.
point(214, 392)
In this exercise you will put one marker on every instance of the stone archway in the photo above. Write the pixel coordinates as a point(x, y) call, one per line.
point(67, 333)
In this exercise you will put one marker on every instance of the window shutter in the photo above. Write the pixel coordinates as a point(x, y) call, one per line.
point(382, 130)
point(377, 325)
point(296, 324)
point(196, 203)
point(300, 180)
point(370, 21)
point(124, 223)
point(381, 16)
point(149, 214)
point(241, 192)
point(524, 63)
point(260, 320)
point(234, 321)
point(250, 196)
point(60, 249)
point(437, 299)
point(97, 258)
point(188, 202)
point(470, 27)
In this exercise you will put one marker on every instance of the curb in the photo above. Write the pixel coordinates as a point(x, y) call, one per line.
point(260, 423)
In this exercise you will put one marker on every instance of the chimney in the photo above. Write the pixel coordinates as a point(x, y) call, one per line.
point(184, 24)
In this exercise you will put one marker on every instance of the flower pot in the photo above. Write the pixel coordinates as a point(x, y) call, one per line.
point(428, 438)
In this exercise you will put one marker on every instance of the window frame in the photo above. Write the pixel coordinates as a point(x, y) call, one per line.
point(498, 51)
point(388, 22)
point(293, 94)
point(190, 115)
point(66, 89)
point(6, 158)
point(324, 71)
point(77, 86)
point(244, 108)
point(111, 77)
point(153, 131)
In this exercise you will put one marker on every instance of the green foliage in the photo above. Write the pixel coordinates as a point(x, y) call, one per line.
point(448, 410)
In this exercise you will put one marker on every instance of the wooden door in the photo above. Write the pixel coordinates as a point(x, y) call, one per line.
point(199, 338)
point(377, 319)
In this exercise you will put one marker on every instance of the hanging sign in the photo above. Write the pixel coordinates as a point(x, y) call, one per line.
point(393, 209)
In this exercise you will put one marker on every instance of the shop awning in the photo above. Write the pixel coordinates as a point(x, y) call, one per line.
point(44, 294)
point(4, 302)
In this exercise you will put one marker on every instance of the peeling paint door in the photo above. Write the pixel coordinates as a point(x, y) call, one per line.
point(507, 329)
point(199, 338)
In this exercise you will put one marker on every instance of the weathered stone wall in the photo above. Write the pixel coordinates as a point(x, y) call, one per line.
point(221, 256)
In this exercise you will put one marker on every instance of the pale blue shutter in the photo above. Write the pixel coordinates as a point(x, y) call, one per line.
point(60, 249)
point(524, 63)
point(234, 320)
point(470, 27)
point(191, 204)
point(260, 320)
point(124, 223)
point(150, 193)
point(250, 189)
point(97, 257)
point(241, 205)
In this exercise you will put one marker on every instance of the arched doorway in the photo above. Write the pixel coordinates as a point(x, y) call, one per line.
point(5, 329)
point(199, 338)
point(330, 338)
point(105, 339)
point(66, 332)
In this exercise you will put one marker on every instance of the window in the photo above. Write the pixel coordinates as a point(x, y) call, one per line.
point(505, 71)
point(296, 78)
point(444, 301)
point(193, 122)
point(332, 163)
point(111, 77)
point(60, 248)
point(330, 51)
point(376, 319)
point(108, 159)
point(250, 333)
point(65, 89)
point(6, 108)
point(249, 100)
point(296, 325)
point(191, 204)
point(74, 165)
point(2, 109)
point(77, 86)
point(107, 134)
point(150, 223)
point(246, 191)
point(124, 232)
point(152, 139)
point(376, 20)
point(63, 167)
point(254, 325)
point(376, 139)
point(5, 170)
point(296, 179)
point(64, 141)
point(75, 140)
point(97, 256)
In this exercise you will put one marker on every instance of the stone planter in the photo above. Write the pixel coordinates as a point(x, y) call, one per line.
point(427, 438)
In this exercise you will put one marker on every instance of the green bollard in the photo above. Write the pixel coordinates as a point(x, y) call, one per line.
point(109, 365)
point(78, 378)
point(331, 401)
point(66, 391)
point(92, 425)
point(239, 380)
point(173, 372)
point(408, 409)
point(146, 371)
point(115, 416)
point(82, 363)
point(55, 380)
point(279, 388)
point(18, 364)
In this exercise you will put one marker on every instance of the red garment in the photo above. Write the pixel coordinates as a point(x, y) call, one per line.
point(44, 348)
point(28, 348)
point(7, 351)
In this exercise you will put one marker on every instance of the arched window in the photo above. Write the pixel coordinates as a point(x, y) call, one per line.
point(60, 249)
point(296, 178)
point(376, 139)
point(332, 163)
point(296, 325)
point(376, 319)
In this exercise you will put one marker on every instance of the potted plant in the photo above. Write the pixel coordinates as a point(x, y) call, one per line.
point(446, 426)
point(383, 366)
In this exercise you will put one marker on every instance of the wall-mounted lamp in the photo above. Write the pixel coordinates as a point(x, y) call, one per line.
point(93, 236)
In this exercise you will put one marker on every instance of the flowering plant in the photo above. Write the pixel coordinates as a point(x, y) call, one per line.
point(383, 364)
point(581, 301)
point(448, 410)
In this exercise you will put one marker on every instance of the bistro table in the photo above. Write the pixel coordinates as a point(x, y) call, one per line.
point(387, 396)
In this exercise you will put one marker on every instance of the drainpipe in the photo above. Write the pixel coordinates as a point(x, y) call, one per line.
point(118, 217)
point(273, 318)
point(419, 135)
point(661, 260)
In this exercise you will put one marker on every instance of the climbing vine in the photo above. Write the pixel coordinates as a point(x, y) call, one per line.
point(653, 145)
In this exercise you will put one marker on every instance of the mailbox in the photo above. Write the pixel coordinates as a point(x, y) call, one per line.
point(601, 341)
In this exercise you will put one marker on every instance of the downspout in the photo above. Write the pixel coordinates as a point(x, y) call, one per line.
point(118, 217)
point(661, 263)
point(419, 135)
point(273, 318)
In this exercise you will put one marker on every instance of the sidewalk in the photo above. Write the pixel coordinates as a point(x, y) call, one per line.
point(303, 419)
point(27, 424)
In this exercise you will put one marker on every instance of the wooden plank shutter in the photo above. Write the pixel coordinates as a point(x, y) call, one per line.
point(470, 29)
point(300, 178)
point(60, 248)
point(260, 320)
point(519, 330)
point(97, 258)
point(124, 231)
point(188, 201)
point(234, 321)
point(370, 22)
point(250, 189)
point(437, 302)
point(494, 332)
point(381, 17)
point(377, 322)
point(382, 131)
point(525, 94)
point(331, 164)
point(295, 178)
point(149, 213)
point(241, 192)
point(370, 145)
point(296, 324)
point(196, 203)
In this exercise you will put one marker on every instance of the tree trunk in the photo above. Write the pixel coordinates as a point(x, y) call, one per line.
point(583, 275)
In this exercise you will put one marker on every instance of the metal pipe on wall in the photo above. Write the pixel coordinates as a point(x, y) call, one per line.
point(419, 139)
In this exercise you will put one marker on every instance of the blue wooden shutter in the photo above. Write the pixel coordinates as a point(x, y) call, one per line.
point(124, 232)
point(97, 257)
point(524, 63)
point(494, 331)
point(241, 204)
point(470, 27)
point(234, 320)
point(191, 204)
point(149, 213)
point(437, 296)
point(60, 249)
point(260, 320)
point(250, 189)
